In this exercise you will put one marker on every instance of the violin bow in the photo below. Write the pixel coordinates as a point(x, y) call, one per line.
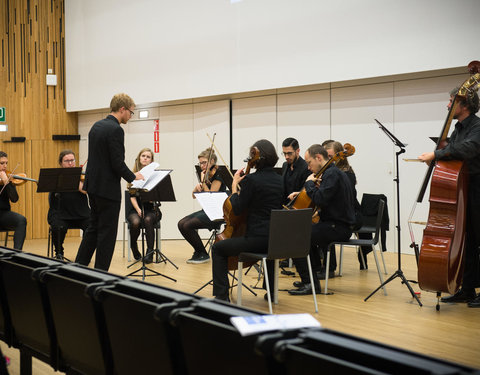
point(220, 155)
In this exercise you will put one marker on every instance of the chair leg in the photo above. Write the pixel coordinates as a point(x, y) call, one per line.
point(239, 282)
point(123, 241)
point(276, 271)
point(378, 269)
point(264, 261)
point(314, 292)
point(341, 261)
point(327, 268)
point(383, 261)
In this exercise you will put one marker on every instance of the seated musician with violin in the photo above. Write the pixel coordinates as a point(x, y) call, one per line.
point(209, 180)
point(294, 169)
point(10, 220)
point(151, 212)
point(464, 144)
point(260, 193)
point(332, 194)
point(67, 210)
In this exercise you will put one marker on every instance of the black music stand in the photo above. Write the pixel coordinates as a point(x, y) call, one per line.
point(222, 171)
point(162, 192)
point(58, 180)
point(398, 272)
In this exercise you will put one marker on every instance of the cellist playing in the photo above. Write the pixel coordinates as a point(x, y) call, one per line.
point(464, 145)
point(261, 192)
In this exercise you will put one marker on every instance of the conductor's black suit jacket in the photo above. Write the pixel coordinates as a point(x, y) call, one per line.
point(106, 160)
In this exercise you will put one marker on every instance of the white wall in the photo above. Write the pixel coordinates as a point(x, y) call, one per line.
point(162, 50)
point(411, 108)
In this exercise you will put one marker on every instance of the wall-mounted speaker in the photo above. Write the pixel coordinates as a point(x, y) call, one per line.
point(66, 137)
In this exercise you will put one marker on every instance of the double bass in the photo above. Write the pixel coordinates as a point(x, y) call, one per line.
point(440, 263)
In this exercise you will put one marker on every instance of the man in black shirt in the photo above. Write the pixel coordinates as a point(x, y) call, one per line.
point(294, 169)
point(67, 210)
point(334, 198)
point(464, 144)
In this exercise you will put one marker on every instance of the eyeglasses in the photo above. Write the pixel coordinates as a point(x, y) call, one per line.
point(69, 160)
point(131, 113)
point(202, 162)
point(290, 153)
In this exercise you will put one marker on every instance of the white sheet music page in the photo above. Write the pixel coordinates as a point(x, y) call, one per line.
point(212, 203)
point(152, 177)
point(248, 325)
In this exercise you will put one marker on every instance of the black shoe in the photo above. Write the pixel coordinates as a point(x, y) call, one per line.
point(304, 291)
point(475, 302)
point(321, 275)
point(198, 258)
point(136, 254)
point(284, 263)
point(265, 297)
point(59, 256)
point(298, 284)
point(149, 256)
point(461, 296)
point(360, 255)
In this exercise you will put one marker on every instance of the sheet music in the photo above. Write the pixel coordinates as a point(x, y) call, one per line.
point(248, 325)
point(212, 203)
point(152, 177)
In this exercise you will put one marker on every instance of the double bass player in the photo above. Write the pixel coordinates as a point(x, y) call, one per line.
point(464, 145)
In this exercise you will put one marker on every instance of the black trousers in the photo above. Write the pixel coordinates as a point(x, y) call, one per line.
point(232, 247)
point(60, 228)
point(101, 233)
point(471, 274)
point(13, 221)
point(322, 235)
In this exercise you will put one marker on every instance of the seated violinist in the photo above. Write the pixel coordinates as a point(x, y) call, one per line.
point(67, 210)
point(333, 195)
point(210, 180)
point(260, 193)
point(10, 220)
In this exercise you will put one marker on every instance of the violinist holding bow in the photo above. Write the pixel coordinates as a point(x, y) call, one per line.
point(210, 180)
point(10, 220)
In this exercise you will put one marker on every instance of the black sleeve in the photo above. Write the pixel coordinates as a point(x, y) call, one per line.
point(11, 192)
point(116, 150)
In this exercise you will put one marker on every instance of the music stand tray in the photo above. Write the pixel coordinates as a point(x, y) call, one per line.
point(59, 180)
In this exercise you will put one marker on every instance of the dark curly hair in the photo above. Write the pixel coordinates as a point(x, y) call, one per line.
point(470, 101)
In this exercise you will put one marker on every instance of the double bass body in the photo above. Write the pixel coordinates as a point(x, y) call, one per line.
point(440, 266)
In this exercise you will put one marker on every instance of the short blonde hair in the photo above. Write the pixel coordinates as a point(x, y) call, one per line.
point(121, 100)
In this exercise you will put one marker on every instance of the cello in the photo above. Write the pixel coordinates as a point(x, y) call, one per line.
point(441, 259)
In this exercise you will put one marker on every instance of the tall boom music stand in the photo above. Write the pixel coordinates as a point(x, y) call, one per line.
point(398, 272)
point(58, 180)
point(146, 196)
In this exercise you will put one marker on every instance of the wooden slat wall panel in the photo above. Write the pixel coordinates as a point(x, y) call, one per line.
point(32, 39)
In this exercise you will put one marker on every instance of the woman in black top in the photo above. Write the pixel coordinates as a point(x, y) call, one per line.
point(151, 211)
point(189, 225)
point(260, 193)
point(10, 220)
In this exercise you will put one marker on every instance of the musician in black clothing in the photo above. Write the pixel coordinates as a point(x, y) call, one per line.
point(260, 193)
point(8, 219)
point(334, 197)
point(67, 210)
point(464, 144)
point(294, 169)
point(189, 225)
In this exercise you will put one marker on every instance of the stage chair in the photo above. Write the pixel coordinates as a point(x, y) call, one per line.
point(212, 345)
point(50, 247)
point(289, 237)
point(137, 313)
point(338, 353)
point(79, 319)
point(5, 321)
point(359, 242)
point(7, 234)
point(32, 326)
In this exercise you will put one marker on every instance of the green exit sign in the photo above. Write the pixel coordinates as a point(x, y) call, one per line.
point(2, 114)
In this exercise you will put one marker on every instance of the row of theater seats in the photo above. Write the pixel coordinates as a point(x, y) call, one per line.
point(84, 321)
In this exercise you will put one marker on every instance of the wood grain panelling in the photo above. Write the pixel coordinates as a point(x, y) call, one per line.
point(32, 36)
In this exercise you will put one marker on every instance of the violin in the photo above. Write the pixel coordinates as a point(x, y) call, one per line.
point(302, 200)
point(18, 178)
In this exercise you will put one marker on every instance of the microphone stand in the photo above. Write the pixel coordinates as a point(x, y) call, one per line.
point(398, 272)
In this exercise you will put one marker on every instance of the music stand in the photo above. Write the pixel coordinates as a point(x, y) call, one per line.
point(162, 192)
point(222, 171)
point(398, 272)
point(58, 180)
